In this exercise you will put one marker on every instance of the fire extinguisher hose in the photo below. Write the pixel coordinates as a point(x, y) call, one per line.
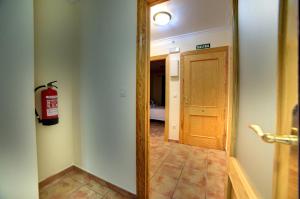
point(36, 113)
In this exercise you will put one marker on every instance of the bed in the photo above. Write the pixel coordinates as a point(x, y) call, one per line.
point(157, 113)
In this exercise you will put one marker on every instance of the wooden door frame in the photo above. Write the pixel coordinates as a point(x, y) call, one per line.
point(143, 98)
point(228, 79)
point(281, 164)
point(167, 91)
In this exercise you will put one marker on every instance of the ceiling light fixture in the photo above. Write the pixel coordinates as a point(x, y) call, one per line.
point(162, 18)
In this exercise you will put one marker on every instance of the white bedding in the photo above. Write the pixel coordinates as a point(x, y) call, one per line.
point(157, 113)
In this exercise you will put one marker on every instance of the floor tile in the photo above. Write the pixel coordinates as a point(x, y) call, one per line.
point(169, 170)
point(174, 160)
point(85, 193)
point(200, 164)
point(155, 195)
point(194, 176)
point(61, 189)
point(163, 184)
point(52, 183)
point(199, 154)
point(215, 168)
point(114, 195)
point(188, 191)
point(215, 186)
point(215, 195)
point(98, 187)
point(79, 176)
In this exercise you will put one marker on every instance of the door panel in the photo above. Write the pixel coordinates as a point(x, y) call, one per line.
point(204, 83)
point(204, 97)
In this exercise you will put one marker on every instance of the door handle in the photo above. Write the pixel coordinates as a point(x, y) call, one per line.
point(273, 138)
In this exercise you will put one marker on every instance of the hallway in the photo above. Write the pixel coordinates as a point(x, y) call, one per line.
point(180, 171)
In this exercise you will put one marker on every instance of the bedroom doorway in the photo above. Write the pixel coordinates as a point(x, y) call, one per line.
point(159, 97)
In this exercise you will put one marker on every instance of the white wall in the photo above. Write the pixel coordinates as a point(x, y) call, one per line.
point(217, 37)
point(18, 162)
point(57, 58)
point(258, 27)
point(108, 66)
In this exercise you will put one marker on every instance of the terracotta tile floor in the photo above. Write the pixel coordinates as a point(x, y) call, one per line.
point(184, 172)
point(176, 172)
point(77, 185)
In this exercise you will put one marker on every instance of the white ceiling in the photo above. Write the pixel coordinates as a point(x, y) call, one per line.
point(190, 16)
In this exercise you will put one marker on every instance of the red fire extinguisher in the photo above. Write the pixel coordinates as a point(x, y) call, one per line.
point(49, 104)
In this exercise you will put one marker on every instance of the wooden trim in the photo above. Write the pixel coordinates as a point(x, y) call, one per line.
point(142, 95)
point(55, 177)
point(285, 171)
point(155, 2)
point(235, 81)
point(167, 99)
point(227, 80)
point(159, 57)
point(167, 91)
point(209, 50)
point(173, 141)
point(142, 98)
point(181, 101)
point(234, 112)
point(278, 192)
point(239, 180)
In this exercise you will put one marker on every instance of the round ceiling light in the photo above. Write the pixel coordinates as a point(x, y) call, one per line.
point(162, 18)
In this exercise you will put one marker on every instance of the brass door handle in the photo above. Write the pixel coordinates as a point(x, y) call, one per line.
point(273, 138)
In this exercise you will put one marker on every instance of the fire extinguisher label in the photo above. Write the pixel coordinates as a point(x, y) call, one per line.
point(52, 108)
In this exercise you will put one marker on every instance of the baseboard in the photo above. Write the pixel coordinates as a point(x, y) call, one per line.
point(51, 179)
point(173, 141)
point(242, 188)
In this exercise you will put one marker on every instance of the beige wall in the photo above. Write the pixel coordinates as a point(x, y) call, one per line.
point(107, 90)
point(221, 36)
point(57, 58)
point(18, 162)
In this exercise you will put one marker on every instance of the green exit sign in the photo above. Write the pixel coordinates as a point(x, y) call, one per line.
point(202, 46)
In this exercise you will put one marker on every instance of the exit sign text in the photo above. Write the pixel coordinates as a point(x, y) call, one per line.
point(202, 46)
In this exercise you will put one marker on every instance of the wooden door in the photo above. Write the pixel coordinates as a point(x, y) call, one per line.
point(204, 97)
point(286, 163)
point(285, 168)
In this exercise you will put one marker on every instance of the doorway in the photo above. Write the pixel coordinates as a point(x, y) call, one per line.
point(143, 97)
point(159, 96)
point(185, 168)
point(188, 170)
